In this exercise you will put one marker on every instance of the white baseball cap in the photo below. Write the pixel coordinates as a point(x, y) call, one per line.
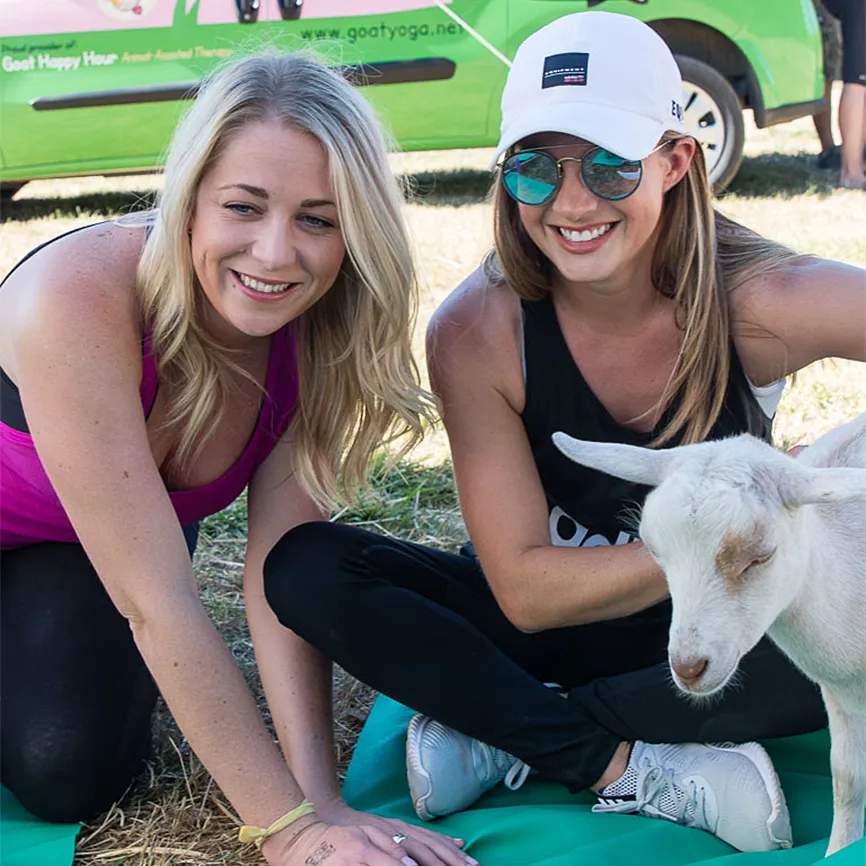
point(600, 76)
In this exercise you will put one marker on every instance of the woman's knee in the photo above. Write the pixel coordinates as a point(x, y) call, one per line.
point(302, 570)
point(66, 784)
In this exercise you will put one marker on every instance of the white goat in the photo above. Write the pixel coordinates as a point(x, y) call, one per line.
point(752, 541)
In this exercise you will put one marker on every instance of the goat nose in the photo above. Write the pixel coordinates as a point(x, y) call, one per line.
point(689, 669)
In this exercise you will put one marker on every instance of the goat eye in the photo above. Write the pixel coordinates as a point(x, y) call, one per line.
point(761, 560)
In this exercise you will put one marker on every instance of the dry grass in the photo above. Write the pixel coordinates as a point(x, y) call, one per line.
point(176, 815)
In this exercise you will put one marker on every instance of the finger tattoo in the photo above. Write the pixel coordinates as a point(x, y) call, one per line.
point(320, 854)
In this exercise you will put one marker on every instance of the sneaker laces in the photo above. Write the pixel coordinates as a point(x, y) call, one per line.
point(660, 794)
point(519, 770)
point(505, 766)
point(517, 775)
point(685, 804)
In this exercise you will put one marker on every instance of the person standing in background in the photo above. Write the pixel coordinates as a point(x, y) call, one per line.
point(831, 43)
point(852, 105)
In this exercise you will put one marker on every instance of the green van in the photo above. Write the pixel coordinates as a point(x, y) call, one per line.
point(96, 86)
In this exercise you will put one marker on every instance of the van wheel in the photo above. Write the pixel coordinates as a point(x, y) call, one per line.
point(713, 115)
point(9, 188)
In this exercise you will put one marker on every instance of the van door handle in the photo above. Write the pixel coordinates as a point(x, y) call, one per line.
point(290, 10)
point(248, 11)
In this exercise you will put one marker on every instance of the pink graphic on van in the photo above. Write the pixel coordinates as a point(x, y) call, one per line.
point(57, 17)
point(347, 8)
point(29, 18)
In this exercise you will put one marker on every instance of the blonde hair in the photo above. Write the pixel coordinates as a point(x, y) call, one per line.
point(358, 382)
point(701, 256)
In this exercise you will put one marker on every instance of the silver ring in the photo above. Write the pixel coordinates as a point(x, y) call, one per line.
point(399, 838)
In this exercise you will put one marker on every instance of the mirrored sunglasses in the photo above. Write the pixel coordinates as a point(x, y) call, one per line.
point(533, 177)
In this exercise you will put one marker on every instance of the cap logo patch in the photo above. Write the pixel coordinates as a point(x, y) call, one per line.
point(565, 69)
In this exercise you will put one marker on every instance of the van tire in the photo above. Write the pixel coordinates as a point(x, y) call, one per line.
point(8, 188)
point(713, 115)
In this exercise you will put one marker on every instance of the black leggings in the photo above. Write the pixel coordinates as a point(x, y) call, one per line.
point(852, 16)
point(423, 627)
point(77, 699)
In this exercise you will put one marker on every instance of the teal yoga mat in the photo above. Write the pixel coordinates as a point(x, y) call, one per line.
point(27, 841)
point(543, 825)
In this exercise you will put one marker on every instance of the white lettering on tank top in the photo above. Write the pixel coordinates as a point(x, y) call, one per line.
point(565, 531)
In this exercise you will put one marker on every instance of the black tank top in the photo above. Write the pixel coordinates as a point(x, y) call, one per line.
point(586, 507)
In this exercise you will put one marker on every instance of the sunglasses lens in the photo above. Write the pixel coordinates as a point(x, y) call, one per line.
point(610, 176)
point(530, 177)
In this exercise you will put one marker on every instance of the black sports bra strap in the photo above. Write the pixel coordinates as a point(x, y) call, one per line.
point(45, 244)
point(11, 410)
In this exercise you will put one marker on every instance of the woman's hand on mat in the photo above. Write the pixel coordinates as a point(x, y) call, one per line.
point(322, 844)
point(423, 846)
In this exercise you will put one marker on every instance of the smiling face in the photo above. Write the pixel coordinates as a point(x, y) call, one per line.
point(589, 239)
point(265, 237)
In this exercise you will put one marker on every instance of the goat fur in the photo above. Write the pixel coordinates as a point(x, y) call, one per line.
point(753, 541)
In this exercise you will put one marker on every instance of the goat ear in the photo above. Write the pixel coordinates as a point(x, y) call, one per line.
point(641, 465)
point(833, 484)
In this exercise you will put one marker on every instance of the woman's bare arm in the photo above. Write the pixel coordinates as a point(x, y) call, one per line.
point(296, 676)
point(474, 362)
point(808, 309)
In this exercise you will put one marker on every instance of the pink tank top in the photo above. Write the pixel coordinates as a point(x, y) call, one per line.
point(30, 510)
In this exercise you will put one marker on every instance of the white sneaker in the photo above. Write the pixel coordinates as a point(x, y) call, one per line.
point(449, 771)
point(731, 791)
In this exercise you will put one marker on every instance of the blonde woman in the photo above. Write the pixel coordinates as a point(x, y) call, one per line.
point(617, 306)
point(254, 330)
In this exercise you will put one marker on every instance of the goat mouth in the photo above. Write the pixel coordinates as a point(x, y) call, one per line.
point(710, 683)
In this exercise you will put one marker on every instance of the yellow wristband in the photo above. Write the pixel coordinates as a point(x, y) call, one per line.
point(257, 835)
